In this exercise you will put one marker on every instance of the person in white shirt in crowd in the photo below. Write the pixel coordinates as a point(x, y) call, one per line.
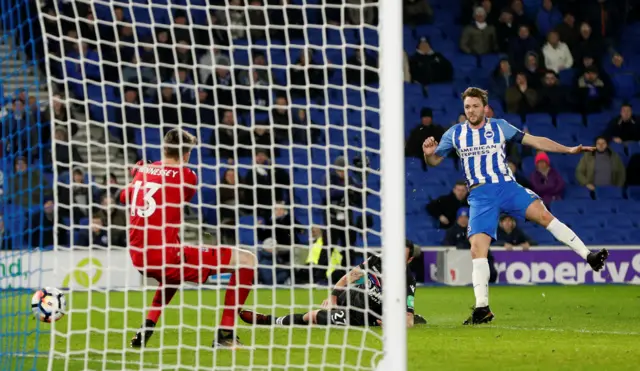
point(557, 56)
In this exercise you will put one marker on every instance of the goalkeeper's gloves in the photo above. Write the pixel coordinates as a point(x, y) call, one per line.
point(137, 166)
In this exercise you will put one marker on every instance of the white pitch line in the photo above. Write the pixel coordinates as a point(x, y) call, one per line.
point(90, 359)
point(553, 329)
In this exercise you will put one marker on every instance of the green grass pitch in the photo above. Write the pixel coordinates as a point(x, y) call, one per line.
point(536, 328)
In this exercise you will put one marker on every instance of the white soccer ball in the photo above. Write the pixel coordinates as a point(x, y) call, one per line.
point(48, 304)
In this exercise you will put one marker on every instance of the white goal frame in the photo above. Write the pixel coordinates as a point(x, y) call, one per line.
point(392, 182)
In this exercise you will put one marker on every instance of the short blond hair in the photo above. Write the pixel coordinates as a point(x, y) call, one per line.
point(178, 142)
point(474, 92)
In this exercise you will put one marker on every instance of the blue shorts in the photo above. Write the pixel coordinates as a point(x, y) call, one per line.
point(488, 201)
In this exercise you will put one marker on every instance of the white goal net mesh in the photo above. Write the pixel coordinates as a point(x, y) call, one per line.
point(283, 96)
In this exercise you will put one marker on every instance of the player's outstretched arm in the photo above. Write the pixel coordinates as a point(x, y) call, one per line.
point(353, 275)
point(548, 145)
point(429, 149)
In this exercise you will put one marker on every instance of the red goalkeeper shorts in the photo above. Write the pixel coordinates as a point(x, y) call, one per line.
point(175, 265)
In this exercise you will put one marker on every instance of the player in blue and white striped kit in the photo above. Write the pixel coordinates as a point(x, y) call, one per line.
point(480, 143)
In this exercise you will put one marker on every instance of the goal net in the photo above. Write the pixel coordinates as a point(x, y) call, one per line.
point(284, 98)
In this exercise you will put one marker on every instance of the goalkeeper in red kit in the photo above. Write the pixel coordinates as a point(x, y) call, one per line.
point(156, 197)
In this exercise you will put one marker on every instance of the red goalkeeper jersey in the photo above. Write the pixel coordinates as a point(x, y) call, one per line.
point(156, 197)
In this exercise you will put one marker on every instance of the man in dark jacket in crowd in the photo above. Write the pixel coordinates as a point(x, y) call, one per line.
point(278, 235)
point(509, 235)
point(445, 208)
point(624, 127)
point(420, 133)
point(428, 66)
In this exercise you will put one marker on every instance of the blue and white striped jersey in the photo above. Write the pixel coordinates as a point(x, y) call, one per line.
point(482, 151)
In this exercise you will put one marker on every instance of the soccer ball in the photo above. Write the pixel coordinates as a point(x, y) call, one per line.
point(48, 304)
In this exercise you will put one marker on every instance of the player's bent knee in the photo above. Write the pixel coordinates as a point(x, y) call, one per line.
point(247, 258)
point(480, 245)
point(538, 213)
point(320, 317)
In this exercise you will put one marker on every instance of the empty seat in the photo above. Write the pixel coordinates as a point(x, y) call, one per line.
point(608, 193)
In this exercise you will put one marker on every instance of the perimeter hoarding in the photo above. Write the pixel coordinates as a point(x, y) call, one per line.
point(540, 265)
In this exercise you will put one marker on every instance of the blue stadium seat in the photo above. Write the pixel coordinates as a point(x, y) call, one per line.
point(608, 193)
point(621, 222)
point(538, 119)
point(633, 192)
point(580, 193)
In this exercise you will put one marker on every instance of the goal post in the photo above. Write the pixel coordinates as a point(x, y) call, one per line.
point(298, 110)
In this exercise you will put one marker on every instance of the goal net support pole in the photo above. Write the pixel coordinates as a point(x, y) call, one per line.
point(393, 175)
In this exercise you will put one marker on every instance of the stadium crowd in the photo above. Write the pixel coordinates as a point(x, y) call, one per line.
point(561, 68)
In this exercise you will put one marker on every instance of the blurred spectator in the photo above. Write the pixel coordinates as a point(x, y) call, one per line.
point(362, 65)
point(520, 98)
point(41, 225)
point(231, 195)
point(281, 120)
point(112, 186)
point(567, 30)
point(457, 234)
point(426, 129)
point(114, 218)
point(147, 77)
point(359, 12)
point(57, 114)
point(417, 12)
point(343, 198)
point(533, 70)
point(268, 184)
point(444, 208)
point(605, 18)
point(94, 236)
point(428, 66)
point(557, 56)
point(165, 54)
point(6, 242)
point(230, 139)
point(587, 44)
point(321, 262)
point(479, 37)
point(180, 28)
point(278, 235)
point(262, 138)
point(623, 77)
point(522, 45)
point(236, 21)
point(26, 185)
point(306, 77)
point(545, 180)
point(633, 170)
point(184, 55)
point(75, 198)
point(169, 106)
point(600, 168)
point(222, 81)
point(219, 34)
point(183, 86)
point(258, 66)
point(519, 16)
point(506, 30)
point(406, 70)
point(554, 98)
point(285, 20)
point(592, 91)
point(257, 20)
point(208, 63)
point(548, 17)
point(517, 173)
point(624, 127)
point(502, 79)
point(66, 154)
point(509, 235)
point(305, 128)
